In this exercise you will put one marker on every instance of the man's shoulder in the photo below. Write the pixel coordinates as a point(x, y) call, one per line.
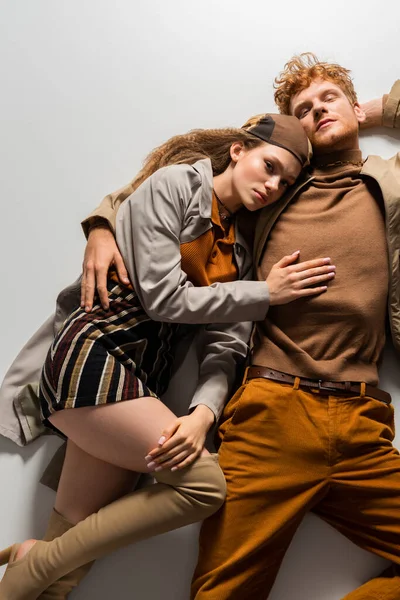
point(375, 165)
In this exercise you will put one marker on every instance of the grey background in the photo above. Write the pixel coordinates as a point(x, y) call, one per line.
point(88, 87)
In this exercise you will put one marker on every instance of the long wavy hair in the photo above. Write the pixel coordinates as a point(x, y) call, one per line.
point(189, 147)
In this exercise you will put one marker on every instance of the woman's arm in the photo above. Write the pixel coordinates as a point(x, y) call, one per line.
point(149, 227)
point(222, 349)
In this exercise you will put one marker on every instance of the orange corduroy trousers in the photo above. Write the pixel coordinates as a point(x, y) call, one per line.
point(286, 451)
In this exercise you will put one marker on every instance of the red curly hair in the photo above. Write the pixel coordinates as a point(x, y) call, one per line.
point(300, 72)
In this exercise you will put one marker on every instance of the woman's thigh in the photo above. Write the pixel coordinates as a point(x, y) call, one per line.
point(121, 433)
point(88, 483)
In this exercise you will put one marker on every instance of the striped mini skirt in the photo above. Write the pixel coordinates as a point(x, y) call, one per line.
point(107, 356)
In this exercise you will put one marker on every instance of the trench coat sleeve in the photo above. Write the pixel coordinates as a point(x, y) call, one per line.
point(391, 109)
point(149, 227)
point(19, 404)
point(223, 348)
point(108, 208)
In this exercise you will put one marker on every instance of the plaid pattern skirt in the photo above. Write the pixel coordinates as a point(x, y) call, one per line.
point(107, 356)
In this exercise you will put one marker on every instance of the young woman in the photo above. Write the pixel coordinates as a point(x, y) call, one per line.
point(189, 264)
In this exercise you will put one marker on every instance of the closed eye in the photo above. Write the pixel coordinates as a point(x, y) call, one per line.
point(303, 113)
point(269, 166)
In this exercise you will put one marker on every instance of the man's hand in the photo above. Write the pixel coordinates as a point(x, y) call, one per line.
point(101, 252)
point(373, 113)
point(287, 281)
point(182, 443)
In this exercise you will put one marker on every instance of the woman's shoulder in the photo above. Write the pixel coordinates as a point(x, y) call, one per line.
point(184, 175)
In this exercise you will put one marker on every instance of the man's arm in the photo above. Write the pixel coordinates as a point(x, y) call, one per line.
point(101, 250)
point(383, 111)
point(391, 109)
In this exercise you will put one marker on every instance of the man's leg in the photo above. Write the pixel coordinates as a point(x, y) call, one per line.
point(364, 499)
point(274, 456)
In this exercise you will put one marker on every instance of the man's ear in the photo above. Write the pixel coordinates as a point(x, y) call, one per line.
point(236, 151)
point(360, 114)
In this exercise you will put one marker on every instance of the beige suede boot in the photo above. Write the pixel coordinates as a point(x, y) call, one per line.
point(61, 589)
point(179, 498)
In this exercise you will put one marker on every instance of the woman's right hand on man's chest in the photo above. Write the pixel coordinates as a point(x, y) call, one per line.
point(288, 281)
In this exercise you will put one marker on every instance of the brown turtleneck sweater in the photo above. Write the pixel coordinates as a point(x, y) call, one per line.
point(338, 335)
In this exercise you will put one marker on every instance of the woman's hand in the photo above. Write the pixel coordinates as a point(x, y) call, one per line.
point(101, 252)
point(288, 281)
point(182, 443)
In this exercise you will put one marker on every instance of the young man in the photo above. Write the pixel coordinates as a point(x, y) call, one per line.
point(309, 429)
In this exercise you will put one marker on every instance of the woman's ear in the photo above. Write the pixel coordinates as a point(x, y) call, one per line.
point(236, 151)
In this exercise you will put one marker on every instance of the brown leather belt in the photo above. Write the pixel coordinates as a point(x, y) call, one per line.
point(334, 388)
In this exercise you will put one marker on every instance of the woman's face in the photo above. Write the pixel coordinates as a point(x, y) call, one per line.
point(263, 174)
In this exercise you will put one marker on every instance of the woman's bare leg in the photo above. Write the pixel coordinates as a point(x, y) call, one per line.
point(121, 434)
point(88, 483)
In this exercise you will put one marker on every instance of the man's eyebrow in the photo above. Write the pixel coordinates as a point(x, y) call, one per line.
point(301, 104)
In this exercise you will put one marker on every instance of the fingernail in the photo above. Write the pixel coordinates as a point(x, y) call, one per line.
point(158, 469)
point(161, 440)
point(148, 457)
point(174, 468)
point(151, 465)
point(327, 258)
point(296, 252)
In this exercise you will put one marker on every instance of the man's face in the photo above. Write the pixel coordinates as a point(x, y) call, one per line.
point(329, 119)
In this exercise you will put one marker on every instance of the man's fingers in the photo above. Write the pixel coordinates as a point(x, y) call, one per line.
point(121, 270)
point(101, 286)
point(89, 287)
point(83, 288)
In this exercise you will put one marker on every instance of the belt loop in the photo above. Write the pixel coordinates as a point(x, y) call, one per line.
point(245, 375)
point(296, 384)
point(362, 389)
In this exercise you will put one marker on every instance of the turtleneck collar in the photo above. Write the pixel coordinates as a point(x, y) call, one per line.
point(338, 159)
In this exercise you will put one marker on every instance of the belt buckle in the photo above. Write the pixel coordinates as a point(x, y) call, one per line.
point(325, 388)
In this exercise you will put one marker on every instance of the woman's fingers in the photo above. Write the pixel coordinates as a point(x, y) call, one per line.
point(288, 260)
point(314, 280)
point(181, 459)
point(166, 455)
point(311, 264)
point(316, 271)
point(311, 291)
